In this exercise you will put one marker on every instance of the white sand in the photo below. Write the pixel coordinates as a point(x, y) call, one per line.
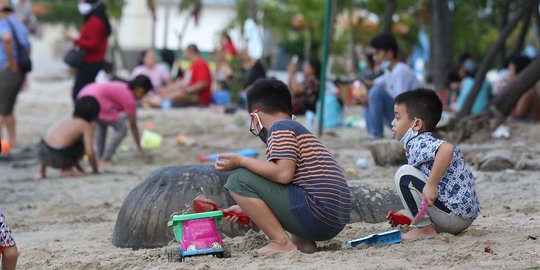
point(68, 223)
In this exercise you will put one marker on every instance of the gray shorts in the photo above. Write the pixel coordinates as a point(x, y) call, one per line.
point(60, 158)
point(10, 86)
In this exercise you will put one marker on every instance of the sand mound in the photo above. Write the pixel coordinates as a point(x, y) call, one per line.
point(60, 205)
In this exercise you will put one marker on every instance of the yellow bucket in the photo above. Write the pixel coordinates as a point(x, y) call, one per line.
point(150, 139)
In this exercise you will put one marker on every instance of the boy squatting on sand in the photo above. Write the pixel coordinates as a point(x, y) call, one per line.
point(299, 188)
point(436, 170)
point(66, 142)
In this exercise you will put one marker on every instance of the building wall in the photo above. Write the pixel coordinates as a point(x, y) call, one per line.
point(206, 34)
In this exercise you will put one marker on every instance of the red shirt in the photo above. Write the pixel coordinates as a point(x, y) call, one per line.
point(230, 49)
point(201, 72)
point(93, 40)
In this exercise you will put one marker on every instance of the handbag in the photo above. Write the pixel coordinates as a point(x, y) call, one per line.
point(74, 57)
point(23, 57)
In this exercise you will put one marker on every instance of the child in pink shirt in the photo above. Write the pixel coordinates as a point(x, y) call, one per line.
point(118, 104)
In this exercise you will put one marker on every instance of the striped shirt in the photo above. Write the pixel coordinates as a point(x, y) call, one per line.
point(326, 192)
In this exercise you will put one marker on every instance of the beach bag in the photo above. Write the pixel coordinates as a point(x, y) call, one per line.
point(23, 57)
point(74, 57)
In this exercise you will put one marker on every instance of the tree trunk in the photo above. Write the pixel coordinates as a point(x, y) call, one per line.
point(482, 125)
point(442, 42)
point(520, 43)
point(505, 10)
point(537, 17)
point(253, 9)
point(387, 20)
point(166, 23)
point(491, 54)
point(517, 87)
point(152, 7)
point(352, 38)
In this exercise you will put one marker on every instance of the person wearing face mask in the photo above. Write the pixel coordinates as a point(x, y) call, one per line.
point(436, 171)
point(396, 79)
point(298, 195)
point(92, 41)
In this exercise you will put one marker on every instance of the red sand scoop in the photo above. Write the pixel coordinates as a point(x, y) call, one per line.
point(396, 219)
point(205, 205)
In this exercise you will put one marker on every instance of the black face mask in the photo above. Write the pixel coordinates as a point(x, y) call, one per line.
point(263, 135)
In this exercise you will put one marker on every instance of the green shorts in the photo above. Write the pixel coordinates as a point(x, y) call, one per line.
point(248, 184)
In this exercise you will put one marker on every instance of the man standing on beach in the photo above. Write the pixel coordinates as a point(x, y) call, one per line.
point(14, 36)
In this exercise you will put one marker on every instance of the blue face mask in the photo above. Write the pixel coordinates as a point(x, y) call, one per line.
point(385, 65)
point(362, 65)
point(411, 133)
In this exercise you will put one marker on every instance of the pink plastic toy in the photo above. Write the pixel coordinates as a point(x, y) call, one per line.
point(197, 234)
point(421, 213)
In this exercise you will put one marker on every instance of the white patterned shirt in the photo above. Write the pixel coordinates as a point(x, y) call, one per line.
point(457, 190)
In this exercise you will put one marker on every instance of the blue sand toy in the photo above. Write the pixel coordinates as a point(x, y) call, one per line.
point(385, 238)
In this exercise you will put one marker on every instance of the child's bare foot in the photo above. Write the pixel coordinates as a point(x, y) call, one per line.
point(304, 245)
point(39, 176)
point(70, 173)
point(104, 163)
point(420, 232)
point(274, 247)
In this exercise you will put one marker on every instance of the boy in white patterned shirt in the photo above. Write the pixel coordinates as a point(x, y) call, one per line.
point(436, 170)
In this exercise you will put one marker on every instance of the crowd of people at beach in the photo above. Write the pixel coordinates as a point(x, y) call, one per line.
point(299, 194)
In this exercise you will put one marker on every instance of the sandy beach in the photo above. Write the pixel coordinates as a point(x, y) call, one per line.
point(68, 223)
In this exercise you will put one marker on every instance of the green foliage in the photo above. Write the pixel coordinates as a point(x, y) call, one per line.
point(471, 32)
point(65, 11)
point(60, 12)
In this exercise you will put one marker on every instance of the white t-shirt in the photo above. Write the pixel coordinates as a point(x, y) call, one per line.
point(400, 79)
point(158, 74)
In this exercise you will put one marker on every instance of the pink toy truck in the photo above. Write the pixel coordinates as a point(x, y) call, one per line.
point(197, 234)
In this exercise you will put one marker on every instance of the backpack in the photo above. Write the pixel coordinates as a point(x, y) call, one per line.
point(23, 57)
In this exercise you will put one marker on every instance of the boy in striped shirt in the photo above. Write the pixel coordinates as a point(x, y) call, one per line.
point(298, 195)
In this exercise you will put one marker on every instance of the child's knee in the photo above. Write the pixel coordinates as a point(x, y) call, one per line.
point(403, 170)
point(238, 177)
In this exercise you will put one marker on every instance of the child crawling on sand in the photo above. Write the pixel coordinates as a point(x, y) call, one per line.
point(298, 195)
point(436, 170)
point(66, 142)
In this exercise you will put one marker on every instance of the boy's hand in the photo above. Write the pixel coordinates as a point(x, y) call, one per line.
point(228, 162)
point(430, 193)
point(233, 209)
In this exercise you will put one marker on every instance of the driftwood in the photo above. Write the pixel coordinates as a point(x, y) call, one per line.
point(142, 220)
point(387, 153)
point(497, 160)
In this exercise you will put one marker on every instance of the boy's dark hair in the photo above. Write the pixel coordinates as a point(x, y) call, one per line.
point(193, 48)
point(141, 81)
point(520, 62)
point(316, 65)
point(168, 56)
point(87, 108)
point(423, 104)
point(224, 85)
point(108, 66)
point(385, 42)
point(269, 96)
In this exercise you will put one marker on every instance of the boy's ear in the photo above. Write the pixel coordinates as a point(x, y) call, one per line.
point(419, 124)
